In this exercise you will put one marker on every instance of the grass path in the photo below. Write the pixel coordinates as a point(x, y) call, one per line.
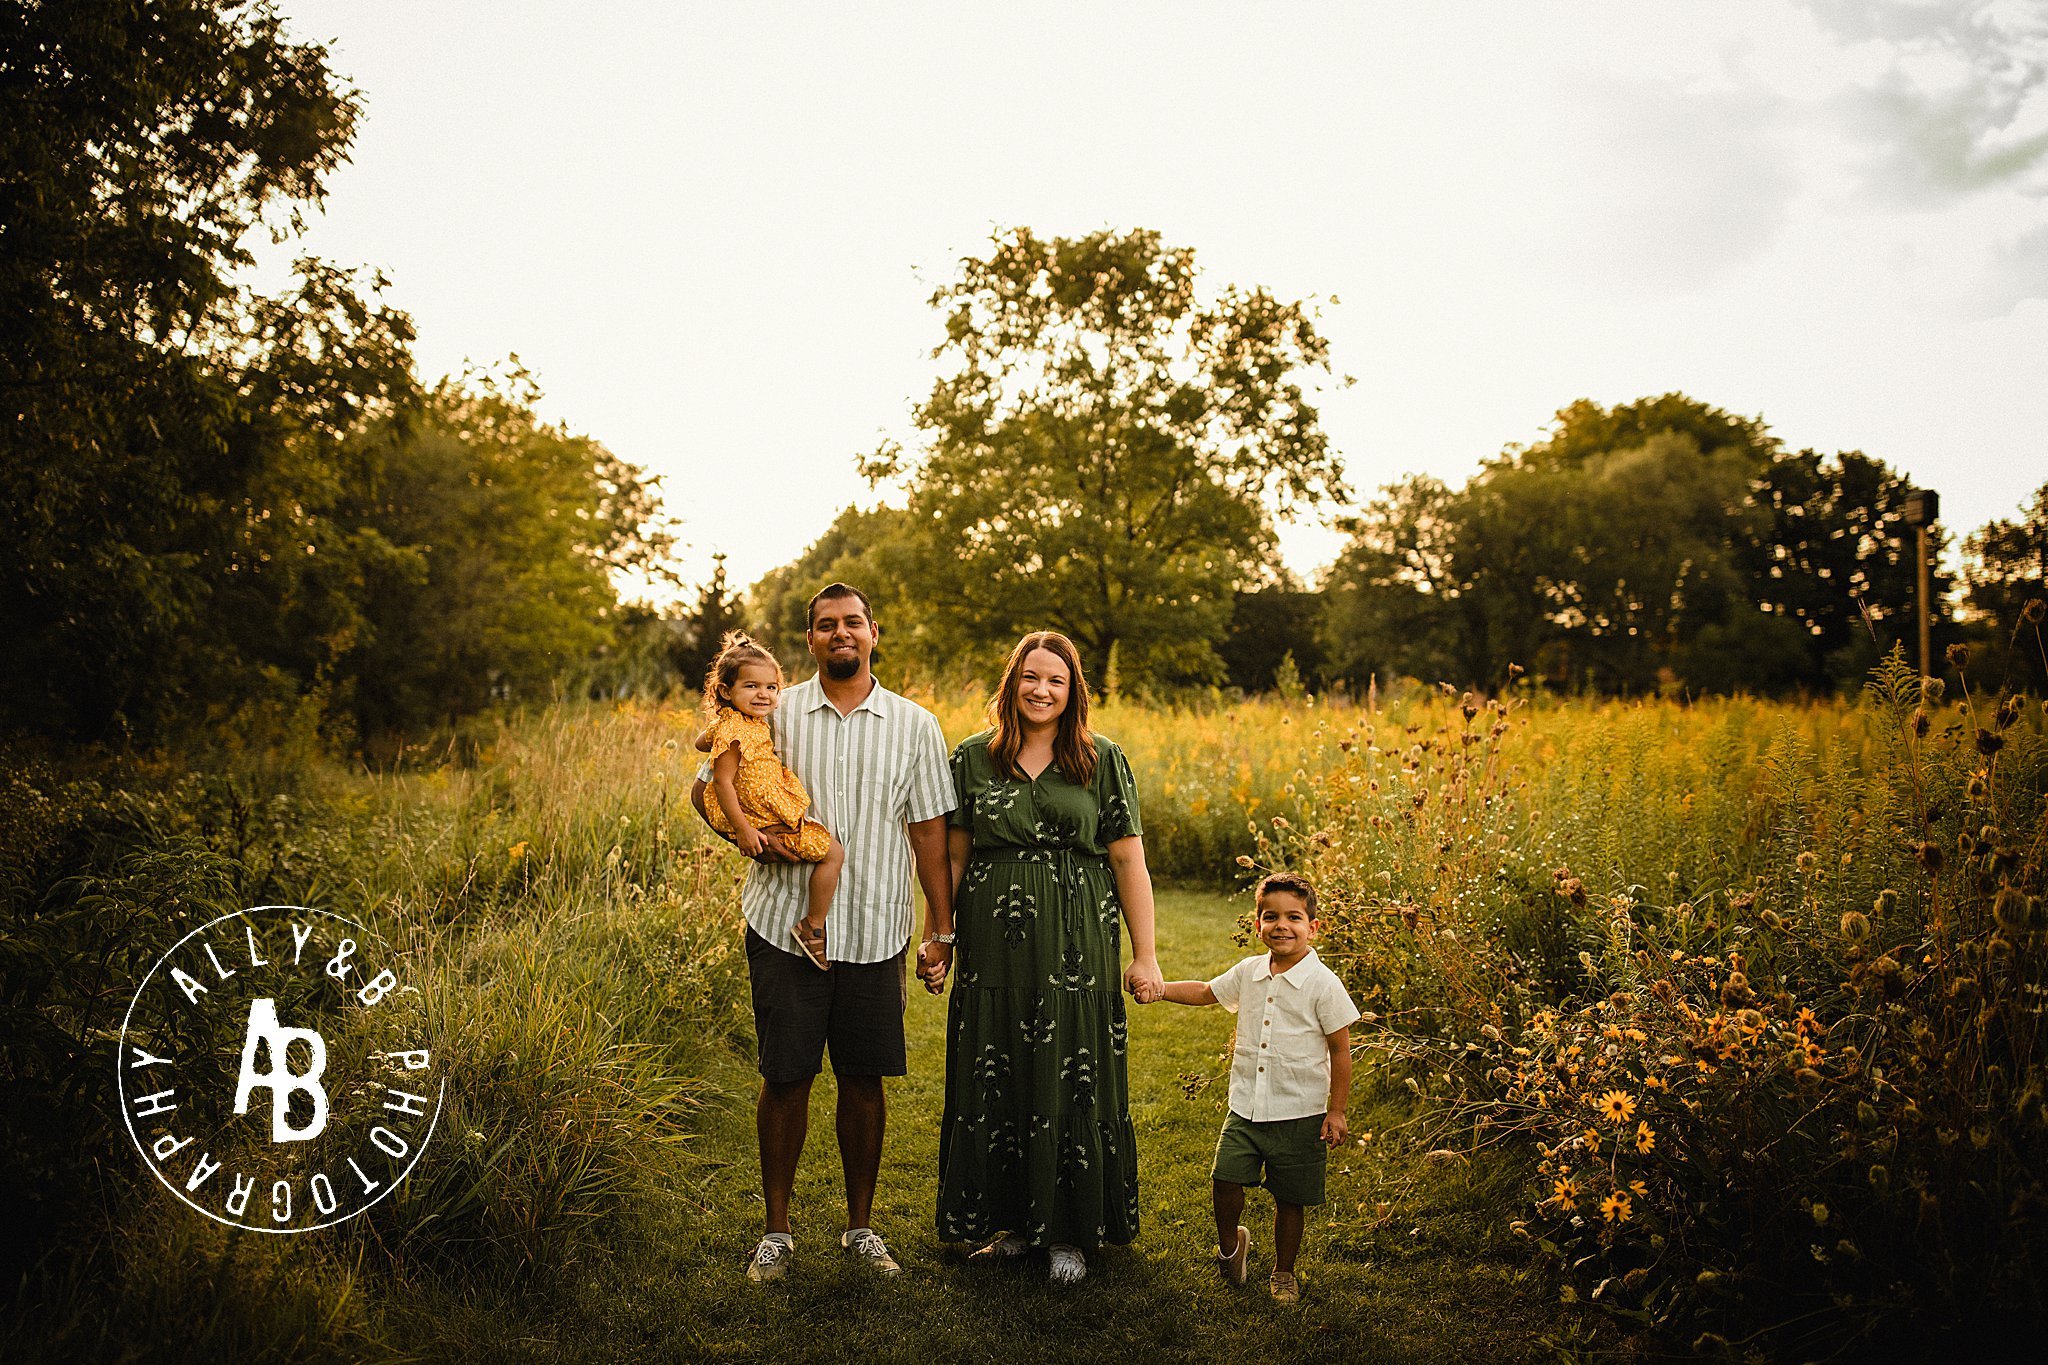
point(1431, 1281)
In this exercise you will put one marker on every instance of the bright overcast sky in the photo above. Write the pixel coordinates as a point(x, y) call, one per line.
point(711, 230)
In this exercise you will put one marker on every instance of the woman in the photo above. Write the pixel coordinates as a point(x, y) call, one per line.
point(1046, 852)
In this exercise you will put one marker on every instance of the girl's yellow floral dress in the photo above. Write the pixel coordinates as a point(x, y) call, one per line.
point(770, 794)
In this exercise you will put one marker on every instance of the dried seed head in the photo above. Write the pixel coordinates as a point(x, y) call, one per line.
point(1932, 690)
point(1886, 902)
point(2009, 908)
point(2034, 611)
point(1959, 656)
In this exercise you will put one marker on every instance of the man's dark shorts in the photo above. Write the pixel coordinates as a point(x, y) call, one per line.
point(856, 1008)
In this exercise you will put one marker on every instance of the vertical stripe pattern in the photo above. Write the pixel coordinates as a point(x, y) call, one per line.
point(869, 773)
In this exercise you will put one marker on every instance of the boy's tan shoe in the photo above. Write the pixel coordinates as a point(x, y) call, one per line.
point(1286, 1289)
point(1232, 1266)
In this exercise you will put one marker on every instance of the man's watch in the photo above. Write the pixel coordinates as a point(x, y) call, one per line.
point(946, 939)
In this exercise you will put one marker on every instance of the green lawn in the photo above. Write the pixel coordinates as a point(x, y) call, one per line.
point(1432, 1280)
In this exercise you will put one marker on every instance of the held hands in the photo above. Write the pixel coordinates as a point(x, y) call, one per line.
point(934, 960)
point(1335, 1128)
point(1143, 980)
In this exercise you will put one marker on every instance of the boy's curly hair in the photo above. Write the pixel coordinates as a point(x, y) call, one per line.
point(1292, 882)
point(735, 648)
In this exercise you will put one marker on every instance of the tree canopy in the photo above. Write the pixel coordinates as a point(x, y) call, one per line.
point(1657, 543)
point(1107, 453)
point(211, 497)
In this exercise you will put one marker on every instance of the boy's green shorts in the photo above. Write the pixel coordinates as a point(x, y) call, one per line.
point(1287, 1156)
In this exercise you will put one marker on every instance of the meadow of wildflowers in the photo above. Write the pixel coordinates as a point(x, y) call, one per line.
point(1754, 991)
point(1746, 996)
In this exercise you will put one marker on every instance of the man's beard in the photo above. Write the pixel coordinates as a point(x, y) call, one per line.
point(839, 670)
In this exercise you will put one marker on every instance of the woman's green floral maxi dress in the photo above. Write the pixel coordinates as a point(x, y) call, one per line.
point(1037, 1137)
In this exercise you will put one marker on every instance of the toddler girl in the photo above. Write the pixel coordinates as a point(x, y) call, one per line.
point(756, 792)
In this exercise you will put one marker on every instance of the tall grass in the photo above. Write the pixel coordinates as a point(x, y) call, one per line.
point(1517, 890)
point(573, 944)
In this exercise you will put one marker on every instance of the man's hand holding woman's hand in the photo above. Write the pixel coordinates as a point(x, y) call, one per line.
point(934, 960)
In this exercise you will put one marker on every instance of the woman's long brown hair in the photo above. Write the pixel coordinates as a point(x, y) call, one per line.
point(1073, 746)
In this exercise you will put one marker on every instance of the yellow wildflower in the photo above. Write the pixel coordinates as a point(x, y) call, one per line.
point(1615, 1208)
point(517, 851)
point(1566, 1192)
point(1642, 1190)
point(1646, 1137)
point(1616, 1106)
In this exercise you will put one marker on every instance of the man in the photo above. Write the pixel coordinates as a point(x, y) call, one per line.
point(875, 766)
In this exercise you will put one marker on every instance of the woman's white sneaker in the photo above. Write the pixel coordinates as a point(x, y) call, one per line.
point(1069, 1266)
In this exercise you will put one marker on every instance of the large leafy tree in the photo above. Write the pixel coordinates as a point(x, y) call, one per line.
point(1657, 542)
point(505, 535)
point(150, 413)
point(1108, 452)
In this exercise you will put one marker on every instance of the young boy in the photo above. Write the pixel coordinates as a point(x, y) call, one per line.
point(1290, 1077)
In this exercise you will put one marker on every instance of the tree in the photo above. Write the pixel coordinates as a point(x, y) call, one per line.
point(1108, 452)
point(867, 549)
point(1270, 627)
point(1394, 603)
point(506, 535)
point(1658, 542)
point(1833, 566)
point(2005, 565)
point(718, 610)
point(157, 425)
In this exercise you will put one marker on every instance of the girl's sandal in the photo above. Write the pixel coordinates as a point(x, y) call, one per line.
point(811, 945)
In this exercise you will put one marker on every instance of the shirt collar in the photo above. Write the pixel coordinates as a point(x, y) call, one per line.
point(872, 702)
point(1293, 976)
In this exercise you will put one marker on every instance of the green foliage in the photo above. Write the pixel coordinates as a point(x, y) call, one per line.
point(2005, 568)
point(1658, 545)
point(150, 412)
point(1266, 627)
point(215, 503)
point(868, 549)
point(507, 532)
point(1106, 453)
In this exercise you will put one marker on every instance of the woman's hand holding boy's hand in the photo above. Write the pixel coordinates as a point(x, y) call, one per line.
point(1335, 1128)
point(1143, 980)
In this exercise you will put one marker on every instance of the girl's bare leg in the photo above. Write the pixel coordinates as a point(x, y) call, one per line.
point(824, 881)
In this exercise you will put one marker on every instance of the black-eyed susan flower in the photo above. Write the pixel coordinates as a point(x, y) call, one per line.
point(1616, 1208)
point(1646, 1138)
point(1566, 1192)
point(1616, 1106)
point(1642, 1190)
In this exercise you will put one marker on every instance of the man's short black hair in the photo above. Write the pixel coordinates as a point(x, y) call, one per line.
point(836, 590)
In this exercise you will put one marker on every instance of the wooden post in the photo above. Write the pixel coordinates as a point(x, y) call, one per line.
point(1921, 507)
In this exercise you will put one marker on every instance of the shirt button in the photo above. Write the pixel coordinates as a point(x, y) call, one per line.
point(1264, 1045)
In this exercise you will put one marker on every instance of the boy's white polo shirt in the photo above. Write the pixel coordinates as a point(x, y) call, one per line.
point(1281, 1066)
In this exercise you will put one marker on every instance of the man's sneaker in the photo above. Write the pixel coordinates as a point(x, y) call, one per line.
point(771, 1260)
point(1286, 1289)
point(1232, 1265)
point(867, 1244)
